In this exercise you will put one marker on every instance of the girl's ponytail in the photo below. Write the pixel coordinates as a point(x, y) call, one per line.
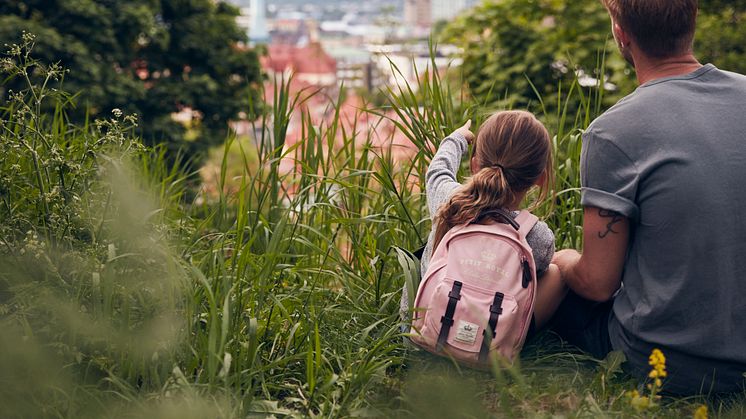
point(487, 189)
point(492, 186)
point(512, 150)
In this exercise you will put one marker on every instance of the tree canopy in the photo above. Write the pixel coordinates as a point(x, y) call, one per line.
point(721, 34)
point(514, 47)
point(511, 44)
point(149, 57)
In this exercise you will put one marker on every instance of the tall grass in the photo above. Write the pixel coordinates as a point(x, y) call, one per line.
point(278, 296)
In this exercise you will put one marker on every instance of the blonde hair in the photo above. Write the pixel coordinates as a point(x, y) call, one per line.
point(512, 151)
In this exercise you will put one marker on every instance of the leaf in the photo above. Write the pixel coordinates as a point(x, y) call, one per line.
point(269, 407)
point(612, 364)
point(411, 272)
point(227, 359)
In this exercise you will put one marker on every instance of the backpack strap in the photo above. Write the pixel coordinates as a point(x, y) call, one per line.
point(527, 221)
point(505, 215)
point(419, 252)
point(447, 320)
point(496, 309)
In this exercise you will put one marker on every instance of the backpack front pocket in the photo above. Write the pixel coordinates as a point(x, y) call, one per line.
point(464, 332)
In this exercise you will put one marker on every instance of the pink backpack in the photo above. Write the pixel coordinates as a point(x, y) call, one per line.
point(477, 296)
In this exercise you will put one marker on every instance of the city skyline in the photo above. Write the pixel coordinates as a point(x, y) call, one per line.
point(422, 14)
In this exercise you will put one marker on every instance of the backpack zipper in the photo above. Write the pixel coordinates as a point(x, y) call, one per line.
point(526, 272)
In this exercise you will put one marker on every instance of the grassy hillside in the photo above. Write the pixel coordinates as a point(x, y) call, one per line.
point(121, 296)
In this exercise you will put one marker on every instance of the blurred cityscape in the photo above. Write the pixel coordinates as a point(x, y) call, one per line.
point(334, 42)
point(363, 46)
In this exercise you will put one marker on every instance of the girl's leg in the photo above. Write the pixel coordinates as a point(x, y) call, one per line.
point(550, 291)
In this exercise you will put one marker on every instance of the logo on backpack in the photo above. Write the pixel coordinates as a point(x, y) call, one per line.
point(476, 298)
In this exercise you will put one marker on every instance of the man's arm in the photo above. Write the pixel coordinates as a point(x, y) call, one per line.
point(597, 273)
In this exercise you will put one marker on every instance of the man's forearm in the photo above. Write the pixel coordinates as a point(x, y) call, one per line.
point(597, 273)
point(576, 274)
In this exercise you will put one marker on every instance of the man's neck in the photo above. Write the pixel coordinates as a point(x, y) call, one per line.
point(652, 69)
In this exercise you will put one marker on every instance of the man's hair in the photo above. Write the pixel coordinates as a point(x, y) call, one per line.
point(662, 28)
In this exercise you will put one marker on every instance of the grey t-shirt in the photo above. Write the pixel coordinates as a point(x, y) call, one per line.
point(672, 158)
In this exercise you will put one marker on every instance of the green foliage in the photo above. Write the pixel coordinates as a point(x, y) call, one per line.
point(715, 6)
point(721, 35)
point(87, 280)
point(147, 57)
point(517, 52)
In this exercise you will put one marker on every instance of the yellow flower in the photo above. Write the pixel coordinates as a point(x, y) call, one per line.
point(640, 403)
point(657, 358)
point(637, 401)
point(701, 412)
point(658, 361)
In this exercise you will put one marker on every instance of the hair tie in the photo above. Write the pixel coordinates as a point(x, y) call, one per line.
point(498, 166)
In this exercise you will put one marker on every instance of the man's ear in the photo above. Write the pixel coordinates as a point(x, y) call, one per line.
point(622, 38)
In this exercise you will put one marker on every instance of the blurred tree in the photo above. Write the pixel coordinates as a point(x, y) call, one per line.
point(511, 44)
point(150, 57)
point(715, 6)
point(721, 34)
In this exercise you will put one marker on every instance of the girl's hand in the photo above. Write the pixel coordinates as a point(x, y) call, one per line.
point(464, 130)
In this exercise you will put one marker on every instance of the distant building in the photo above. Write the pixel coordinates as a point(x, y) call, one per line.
point(405, 65)
point(289, 32)
point(239, 3)
point(356, 69)
point(418, 13)
point(308, 64)
point(253, 20)
point(446, 9)
point(258, 30)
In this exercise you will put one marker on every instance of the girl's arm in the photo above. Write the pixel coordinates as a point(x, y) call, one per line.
point(440, 179)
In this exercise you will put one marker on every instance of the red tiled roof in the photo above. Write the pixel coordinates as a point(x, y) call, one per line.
point(313, 59)
point(279, 58)
point(310, 59)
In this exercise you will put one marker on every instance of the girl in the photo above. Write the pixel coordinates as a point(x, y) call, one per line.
point(512, 153)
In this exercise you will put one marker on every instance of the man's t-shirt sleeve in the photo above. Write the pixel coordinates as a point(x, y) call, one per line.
point(608, 177)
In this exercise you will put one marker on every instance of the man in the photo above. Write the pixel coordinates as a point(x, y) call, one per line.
point(662, 176)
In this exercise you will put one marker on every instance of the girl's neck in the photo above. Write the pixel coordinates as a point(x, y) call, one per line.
point(516, 205)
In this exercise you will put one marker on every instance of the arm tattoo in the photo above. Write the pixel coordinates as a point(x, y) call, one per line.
point(615, 218)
